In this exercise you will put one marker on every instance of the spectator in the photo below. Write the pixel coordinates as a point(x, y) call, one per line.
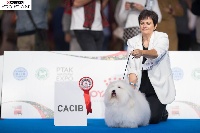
point(69, 34)
point(128, 12)
point(182, 25)
point(9, 38)
point(106, 30)
point(196, 11)
point(1, 12)
point(113, 42)
point(88, 22)
point(58, 33)
point(31, 22)
point(170, 9)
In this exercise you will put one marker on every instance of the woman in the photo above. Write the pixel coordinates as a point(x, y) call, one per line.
point(149, 70)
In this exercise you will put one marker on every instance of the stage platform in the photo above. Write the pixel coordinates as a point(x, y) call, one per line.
point(96, 126)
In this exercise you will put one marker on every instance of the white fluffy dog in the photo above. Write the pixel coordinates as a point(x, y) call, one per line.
point(125, 107)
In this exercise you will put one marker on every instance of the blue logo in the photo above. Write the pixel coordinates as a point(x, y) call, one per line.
point(20, 73)
point(177, 73)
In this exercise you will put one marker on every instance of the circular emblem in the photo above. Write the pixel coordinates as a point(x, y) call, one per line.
point(42, 73)
point(177, 73)
point(20, 73)
point(86, 83)
point(196, 73)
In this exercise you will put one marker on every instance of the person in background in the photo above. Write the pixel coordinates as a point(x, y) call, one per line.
point(113, 42)
point(26, 28)
point(9, 37)
point(87, 23)
point(109, 40)
point(69, 34)
point(57, 28)
point(1, 14)
point(196, 11)
point(150, 69)
point(107, 30)
point(169, 9)
point(127, 13)
point(182, 26)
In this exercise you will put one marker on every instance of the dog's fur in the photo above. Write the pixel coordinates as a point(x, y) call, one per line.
point(125, 107)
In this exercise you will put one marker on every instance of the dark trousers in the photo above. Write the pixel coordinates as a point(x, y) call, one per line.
point(184, 41)
point(90, 40)
point(157, 108)
point(60, 43)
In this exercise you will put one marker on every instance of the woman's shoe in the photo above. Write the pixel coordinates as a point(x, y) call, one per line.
point(165, 115)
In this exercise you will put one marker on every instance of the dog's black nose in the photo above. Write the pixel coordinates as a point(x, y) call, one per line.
point(113, 93)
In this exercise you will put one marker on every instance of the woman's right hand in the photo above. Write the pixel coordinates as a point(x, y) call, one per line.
point(133, 80)
point(137, 53)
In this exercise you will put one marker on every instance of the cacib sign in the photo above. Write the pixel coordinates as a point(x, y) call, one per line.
point(69, 105)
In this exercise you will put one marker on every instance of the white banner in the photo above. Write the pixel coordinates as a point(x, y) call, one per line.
point(186, 73)
point(28, 82)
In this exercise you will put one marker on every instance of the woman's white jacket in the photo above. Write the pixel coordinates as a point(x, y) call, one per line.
point(159, 69)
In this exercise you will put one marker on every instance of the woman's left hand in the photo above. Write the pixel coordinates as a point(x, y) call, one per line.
point(137, 53)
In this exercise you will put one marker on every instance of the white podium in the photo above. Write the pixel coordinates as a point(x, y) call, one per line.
point(69, 106)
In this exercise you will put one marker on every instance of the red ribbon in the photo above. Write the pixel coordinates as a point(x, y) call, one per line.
point(87, 101)
point(85, 84)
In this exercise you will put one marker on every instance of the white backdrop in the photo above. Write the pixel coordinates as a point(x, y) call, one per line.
point(29, 79)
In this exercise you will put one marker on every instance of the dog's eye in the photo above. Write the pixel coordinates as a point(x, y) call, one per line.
point(119, 87)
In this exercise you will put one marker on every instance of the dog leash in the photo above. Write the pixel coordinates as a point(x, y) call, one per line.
point(127, 64)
